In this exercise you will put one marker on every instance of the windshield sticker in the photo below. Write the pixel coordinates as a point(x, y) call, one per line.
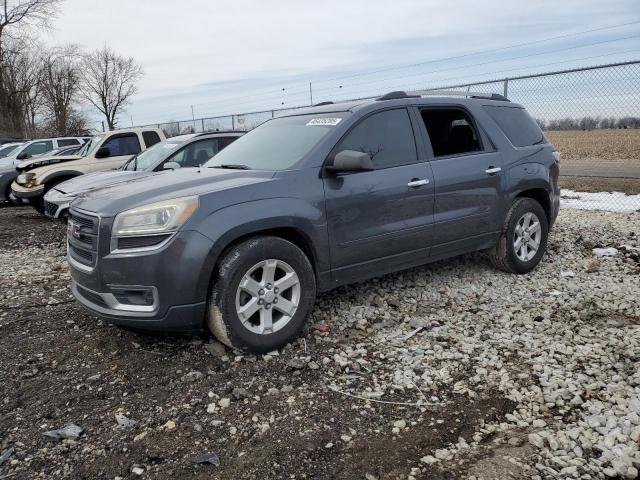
point(324, 122)
point(170, 145)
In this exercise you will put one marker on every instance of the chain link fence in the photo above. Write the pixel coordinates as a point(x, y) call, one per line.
point(591, 115)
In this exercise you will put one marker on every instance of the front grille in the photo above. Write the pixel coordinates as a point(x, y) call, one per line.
point(50, 209)
point(82, 236)
point(92, 297)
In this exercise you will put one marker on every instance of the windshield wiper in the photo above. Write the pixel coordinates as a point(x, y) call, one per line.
point(232, 166)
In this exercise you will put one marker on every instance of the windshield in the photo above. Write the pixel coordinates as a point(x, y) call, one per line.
point(277, 144)
point(148, 159)
point(90, 145)
point(4, 151)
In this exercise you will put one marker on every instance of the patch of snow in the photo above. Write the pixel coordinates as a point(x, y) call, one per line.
point(606, 201)
point(605, 252)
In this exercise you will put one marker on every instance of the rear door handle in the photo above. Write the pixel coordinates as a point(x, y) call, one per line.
point(417, 183)
point(492, 170)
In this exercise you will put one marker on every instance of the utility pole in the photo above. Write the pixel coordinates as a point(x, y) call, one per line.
point(310, 94)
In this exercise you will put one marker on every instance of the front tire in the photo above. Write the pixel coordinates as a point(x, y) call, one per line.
point(524, 238)
point(262, 294)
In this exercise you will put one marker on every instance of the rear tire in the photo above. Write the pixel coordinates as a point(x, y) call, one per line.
point(524, 238)
point(262, 295)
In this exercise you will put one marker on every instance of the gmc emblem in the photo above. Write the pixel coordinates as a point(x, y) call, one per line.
point(73, 229)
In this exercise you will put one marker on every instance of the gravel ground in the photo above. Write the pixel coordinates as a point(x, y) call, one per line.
point(483, 375)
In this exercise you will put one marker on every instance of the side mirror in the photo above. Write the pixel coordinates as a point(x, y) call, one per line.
point(351, 161)
point(103, 152)
point(171, 166)
point(22, 156)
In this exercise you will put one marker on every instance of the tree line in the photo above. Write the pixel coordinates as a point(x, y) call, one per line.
point(44, 91)
point(589, 123)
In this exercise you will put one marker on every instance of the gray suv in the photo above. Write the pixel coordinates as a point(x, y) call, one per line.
point(327, 196)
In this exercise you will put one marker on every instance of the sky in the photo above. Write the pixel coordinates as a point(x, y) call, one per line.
point(235, 56)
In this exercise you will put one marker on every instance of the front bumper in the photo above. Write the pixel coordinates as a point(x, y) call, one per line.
point(173, 273)
point(56, 203)
point(26, 193)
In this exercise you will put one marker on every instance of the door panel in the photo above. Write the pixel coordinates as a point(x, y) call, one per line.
point(376, 220)
point(466, 201)
point(375, 214)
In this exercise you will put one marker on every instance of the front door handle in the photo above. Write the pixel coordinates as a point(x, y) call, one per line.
point(492, 170)
point(417, 183)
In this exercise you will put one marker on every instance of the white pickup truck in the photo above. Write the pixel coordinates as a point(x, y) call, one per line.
point(103, 152)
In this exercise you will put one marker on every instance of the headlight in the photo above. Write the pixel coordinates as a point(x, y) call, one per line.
point(161, 217)
point(25, 179)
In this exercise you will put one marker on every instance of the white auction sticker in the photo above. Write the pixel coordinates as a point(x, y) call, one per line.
point(324, 122)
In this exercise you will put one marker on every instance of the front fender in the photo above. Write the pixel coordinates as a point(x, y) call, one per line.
point(59, 174)
point(228, 224)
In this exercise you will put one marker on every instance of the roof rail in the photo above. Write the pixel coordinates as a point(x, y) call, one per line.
point(442, 93)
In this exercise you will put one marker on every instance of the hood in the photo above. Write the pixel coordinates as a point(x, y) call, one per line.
point(36, 162)
point(93, 181)
point(184, 182)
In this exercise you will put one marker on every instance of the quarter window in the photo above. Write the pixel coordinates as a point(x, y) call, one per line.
point(451, 131)
point(125, 144)
point(150, 138)
point(67, 142)
point(516, 123)
point(386, 136)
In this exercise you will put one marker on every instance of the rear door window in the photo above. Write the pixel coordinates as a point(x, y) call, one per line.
point(516, 123)
point(38, 148)
point(386, 136)
point(196, 154)
point(125, 144)
point(451, 131)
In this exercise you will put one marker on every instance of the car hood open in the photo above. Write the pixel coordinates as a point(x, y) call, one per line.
point(36, 162)
point(184, 182)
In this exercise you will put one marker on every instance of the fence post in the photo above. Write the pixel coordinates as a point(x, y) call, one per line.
point(202, 120)
point(506, 86)
point(273, 114)
point(233, 122)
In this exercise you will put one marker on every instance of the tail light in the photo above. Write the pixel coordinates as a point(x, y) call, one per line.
point(556, 156)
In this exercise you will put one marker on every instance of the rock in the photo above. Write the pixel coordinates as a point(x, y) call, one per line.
point(124, 421)
point(273, 391)
point(429, 459)
point(515, 441)
point(93, 378)
point(535, 440)
point(210, 458)
point(193, 376)
point(239, 393)
point(215, 348)
point(224, 402)
point(539, 423)
point(593, 265)
point(567, 274)
point(400, 424)
point(170, 425)
point(296, 363)
point(313, 365)
point(137, 471)
point(69, 431)
point(139, 437)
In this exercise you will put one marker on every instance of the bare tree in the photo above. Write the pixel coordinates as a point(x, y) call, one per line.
point(16, 17)
point(60, 86)
point(109, 81)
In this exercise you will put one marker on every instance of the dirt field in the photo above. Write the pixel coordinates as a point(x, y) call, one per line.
point(447, 343)
point(605, 145)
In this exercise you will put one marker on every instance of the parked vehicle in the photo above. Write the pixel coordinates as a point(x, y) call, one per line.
point(103, 152)
point(7, 148)
point(182, 151)
point(29, 149)
point(65, 151)
point(304, 203)
point(6, 140)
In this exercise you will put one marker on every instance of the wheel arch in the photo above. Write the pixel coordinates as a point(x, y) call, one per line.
point(540, 195)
